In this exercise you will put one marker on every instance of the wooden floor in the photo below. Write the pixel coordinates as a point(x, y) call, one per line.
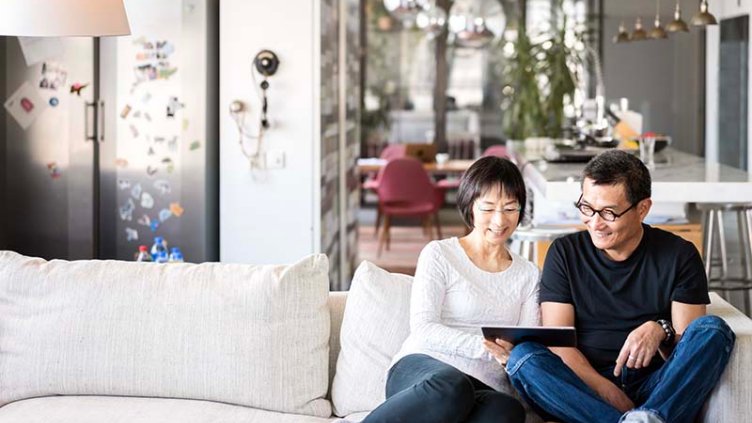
point(407, 242)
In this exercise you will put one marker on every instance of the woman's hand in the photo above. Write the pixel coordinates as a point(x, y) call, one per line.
point(499, 350)
point(640, 347)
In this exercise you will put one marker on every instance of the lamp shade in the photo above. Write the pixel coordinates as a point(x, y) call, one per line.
point(63, 18)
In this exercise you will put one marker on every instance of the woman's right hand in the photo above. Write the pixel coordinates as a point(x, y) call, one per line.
point(499, 350)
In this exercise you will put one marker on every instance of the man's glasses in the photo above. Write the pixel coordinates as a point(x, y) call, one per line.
point(606, 214)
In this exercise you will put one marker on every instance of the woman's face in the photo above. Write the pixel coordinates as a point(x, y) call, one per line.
point(495, 216)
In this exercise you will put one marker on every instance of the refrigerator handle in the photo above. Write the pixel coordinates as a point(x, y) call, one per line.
point(100, 121)
point(89, 129)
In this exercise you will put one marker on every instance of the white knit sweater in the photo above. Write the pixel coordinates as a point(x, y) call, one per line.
point(452, 298)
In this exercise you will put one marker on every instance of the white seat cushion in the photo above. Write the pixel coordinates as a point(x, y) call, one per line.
point(75, 409)
point(240, 334)
point(375, 324)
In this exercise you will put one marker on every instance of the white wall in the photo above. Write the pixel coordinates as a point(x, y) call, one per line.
point(269, 216)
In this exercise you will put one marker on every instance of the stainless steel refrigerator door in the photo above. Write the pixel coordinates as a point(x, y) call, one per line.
point(48, 163)
point(159, 154)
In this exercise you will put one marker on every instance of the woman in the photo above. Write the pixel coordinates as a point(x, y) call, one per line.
point(443, 372)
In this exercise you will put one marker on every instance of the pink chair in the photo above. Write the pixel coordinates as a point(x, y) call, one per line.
point(390, 152)
point(405, 189)
point(496, 150)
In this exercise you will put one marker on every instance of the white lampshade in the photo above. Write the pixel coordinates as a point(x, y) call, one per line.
point(63, 18)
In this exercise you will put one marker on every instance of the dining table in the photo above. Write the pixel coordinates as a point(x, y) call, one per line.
point(454, 167)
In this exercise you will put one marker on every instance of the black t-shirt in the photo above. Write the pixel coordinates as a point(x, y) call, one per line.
point(613, 298)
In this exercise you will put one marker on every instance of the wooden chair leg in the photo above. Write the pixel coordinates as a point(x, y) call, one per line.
point(387, 232)
point(382, 237)
point(438, 224)
point(378, 222)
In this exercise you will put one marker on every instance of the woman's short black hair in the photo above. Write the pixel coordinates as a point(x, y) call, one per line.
point(619, 167)
point(488, 173)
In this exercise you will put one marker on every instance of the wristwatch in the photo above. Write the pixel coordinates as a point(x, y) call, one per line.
point(669, 329)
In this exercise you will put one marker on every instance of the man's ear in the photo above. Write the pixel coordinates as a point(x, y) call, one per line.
point(644, 207)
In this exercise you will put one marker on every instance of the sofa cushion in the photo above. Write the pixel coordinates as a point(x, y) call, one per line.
point(93, 409)
point(240, 334)
point(376, 322)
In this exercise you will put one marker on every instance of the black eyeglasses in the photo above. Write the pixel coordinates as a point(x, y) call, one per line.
point(605, 214)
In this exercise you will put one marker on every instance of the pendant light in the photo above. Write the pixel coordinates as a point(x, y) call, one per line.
point(657, 32)
point(638, 34)
point(623, 35)
point(63, 18)
point(703, 17)
point(432, 20)
point(677, 24)
point(404, 10)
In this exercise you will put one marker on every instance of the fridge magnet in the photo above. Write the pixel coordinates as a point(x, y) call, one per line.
point(126, 210)
point(172, 144)
point(164, 49)
point(151, 151)
point(131, 234)
point(195, 145)
point(53, 77)
point(167, 161)
point(53, 170)
point(185, 124)
point(25, 105)
point(137, 114)
point(121, 163)
point(144, 220)
point(136, 191)
point(147, 116)
point(167, 73)
point(170, 168)
point(173, 106)
point(77, 87)
point(147, 201)
point(163, 186)
point(164, 214)
point(39, 49)
point(151, 170)
point(126, 110)
point(154, 225)
point(123, 184)
point(176, 209)
point(134, 131)
point(54, 101)
point(146, 97)
point(159, 140)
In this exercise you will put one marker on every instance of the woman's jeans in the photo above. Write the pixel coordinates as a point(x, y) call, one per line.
point(422, 389)
point(673, 392)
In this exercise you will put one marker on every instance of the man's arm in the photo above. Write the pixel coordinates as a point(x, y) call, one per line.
point(561, 314)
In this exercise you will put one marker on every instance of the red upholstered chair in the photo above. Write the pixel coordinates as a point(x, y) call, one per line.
point(405, 189)
point(496, 150)
point(390, 152)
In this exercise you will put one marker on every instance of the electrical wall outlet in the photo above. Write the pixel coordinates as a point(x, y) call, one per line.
point(275, 159)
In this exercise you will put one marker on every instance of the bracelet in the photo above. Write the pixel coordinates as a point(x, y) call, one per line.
point(669, 329)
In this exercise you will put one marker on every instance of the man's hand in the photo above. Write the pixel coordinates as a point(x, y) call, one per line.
point(640, 347)
point(500, 349)
point(615, 396)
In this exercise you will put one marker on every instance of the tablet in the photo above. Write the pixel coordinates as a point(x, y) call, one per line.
point(550, 336)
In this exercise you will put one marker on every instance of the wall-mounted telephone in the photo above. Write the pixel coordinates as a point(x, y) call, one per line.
point(266, 64)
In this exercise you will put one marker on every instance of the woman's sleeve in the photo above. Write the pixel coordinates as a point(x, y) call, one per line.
point(429, 290)
point(530, 310)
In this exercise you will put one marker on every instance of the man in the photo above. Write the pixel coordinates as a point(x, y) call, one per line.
point(636, 295)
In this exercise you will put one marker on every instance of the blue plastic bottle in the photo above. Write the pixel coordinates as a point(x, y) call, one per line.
point(161, 257)
point(158, 246)
point(176, 256)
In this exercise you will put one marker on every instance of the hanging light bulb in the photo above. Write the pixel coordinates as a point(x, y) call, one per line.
point(475, 23)
point(622, 36)
point(703, 17)
point(405, 10)
point(638, 34)
point(431, 19)
point(657, 32)
point(677, 24)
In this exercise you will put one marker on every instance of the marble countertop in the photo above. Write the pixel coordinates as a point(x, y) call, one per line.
point(677, 177)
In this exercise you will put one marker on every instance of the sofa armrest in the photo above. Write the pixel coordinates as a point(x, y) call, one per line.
point(730, 399)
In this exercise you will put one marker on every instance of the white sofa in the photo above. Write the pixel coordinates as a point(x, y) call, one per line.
point(106, 341)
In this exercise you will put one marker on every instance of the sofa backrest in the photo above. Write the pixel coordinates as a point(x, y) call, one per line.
point(337, 302)
point(240, 334)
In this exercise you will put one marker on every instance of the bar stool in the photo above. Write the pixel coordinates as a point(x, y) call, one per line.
point(712, 214)
point(528, 236)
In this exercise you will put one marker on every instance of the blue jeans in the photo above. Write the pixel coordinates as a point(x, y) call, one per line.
point(673, 392)
point(422, 389)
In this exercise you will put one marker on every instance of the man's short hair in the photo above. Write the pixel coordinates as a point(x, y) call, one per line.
point(487, 173)
point(619, 167)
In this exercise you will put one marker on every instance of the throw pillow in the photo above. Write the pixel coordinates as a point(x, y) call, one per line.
point(375, 324)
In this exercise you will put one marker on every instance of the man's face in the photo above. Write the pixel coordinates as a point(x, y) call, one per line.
point(616, 235)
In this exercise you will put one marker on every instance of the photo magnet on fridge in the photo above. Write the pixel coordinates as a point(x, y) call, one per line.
point(25, 104)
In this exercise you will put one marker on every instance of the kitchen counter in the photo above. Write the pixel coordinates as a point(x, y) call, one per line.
point(678, 177)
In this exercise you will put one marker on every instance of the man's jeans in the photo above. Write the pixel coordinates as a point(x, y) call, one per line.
point(675, 392)
point(422, 389)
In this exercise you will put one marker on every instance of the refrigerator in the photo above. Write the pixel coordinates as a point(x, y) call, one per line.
point(108, 143)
